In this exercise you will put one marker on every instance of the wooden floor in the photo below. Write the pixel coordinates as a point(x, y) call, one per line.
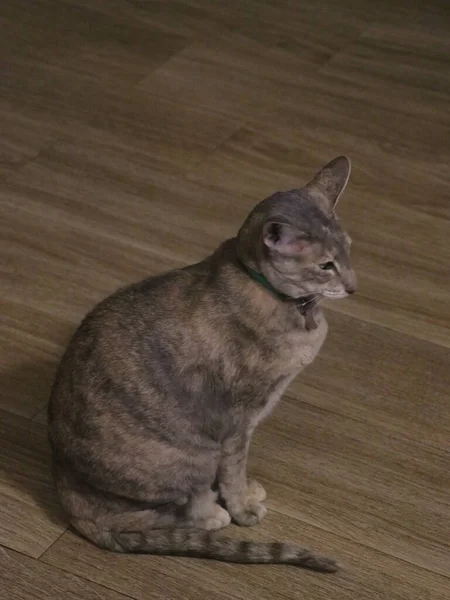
point(135, 136)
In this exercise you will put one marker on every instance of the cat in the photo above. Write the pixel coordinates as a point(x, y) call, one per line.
point(162, 385)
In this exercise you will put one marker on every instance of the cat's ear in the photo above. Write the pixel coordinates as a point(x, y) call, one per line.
point(329, 183)
point(285, 239)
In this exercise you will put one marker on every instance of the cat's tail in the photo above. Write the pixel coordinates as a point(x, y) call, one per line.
point(203, 544)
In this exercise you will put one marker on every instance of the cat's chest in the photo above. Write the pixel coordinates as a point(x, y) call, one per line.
point(296, 349)
point(294, 352)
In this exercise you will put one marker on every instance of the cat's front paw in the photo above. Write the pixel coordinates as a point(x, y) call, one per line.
point(249, 515)
point(218, 521)
point(255, 491)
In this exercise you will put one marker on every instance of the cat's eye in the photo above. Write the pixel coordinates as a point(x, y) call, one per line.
point(327, 266)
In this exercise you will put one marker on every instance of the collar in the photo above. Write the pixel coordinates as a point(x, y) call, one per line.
point(260, 278)
point(305, 305)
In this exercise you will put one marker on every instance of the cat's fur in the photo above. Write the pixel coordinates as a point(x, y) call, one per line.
point(161, 387)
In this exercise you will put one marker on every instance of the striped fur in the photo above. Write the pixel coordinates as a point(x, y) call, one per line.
point(204, 544)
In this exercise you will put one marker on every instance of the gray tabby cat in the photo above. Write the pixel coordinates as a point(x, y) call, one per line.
point(159, 392)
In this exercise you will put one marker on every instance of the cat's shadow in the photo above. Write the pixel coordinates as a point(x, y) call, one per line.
point(26, 457)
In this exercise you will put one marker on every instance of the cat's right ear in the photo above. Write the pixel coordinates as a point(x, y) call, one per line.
point(285, 239)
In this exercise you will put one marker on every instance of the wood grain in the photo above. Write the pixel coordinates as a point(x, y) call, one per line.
point(375, 375)
point(356, 481)
point(136, 136)
point(30, 518)
point(27, 579)
point(22, 139)
point(365, 574)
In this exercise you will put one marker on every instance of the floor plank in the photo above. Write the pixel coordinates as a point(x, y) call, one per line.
point(354, 480)
point(233, 75)
point(22, 140)
point(30, 517)
point(28, 579)
point(375, 375)
point(366, 574)
point(88, 83)
point(136, 136)
point(83, 41)
point(408, 62)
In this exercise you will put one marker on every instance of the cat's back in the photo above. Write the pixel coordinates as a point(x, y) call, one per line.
point(129, 315)
point(116, 341)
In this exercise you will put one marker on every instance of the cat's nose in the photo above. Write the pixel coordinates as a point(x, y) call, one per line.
point(350, 283)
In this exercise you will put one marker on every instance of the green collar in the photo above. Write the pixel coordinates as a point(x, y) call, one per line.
point(259, 277)
point(305, 305)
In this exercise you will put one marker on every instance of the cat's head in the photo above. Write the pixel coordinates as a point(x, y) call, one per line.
point(296, 241)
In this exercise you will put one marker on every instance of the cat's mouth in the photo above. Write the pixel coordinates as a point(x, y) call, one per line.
point(335, 295)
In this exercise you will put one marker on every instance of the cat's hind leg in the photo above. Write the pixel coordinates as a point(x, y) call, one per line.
point(200, 512)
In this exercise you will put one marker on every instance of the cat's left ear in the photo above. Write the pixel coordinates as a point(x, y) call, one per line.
point(329, 183)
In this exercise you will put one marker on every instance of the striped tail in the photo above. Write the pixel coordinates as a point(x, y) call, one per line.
point(203, 544)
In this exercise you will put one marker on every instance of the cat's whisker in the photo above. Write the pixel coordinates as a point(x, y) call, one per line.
point(313, 299)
